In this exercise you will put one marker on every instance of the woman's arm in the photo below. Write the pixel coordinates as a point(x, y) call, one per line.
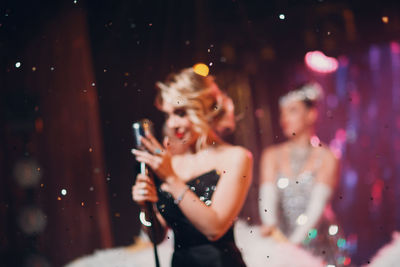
point(268, 192)
point(231, 191)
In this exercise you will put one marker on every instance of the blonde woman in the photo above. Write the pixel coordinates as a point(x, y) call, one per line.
point(298, 178)
point(200, 191)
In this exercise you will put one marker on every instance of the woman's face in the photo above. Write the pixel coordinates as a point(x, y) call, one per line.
point(179, 124)
point(296, 118)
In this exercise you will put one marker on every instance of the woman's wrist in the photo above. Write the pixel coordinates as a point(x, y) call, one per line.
point(174, 186)
point(171, 179)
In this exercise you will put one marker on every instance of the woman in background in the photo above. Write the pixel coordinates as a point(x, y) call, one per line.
point(199, 192)
point(298, 178)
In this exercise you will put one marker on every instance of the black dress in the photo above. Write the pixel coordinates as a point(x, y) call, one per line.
point(192, 248)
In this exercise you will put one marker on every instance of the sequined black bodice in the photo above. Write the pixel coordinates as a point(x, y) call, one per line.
point(189, 242)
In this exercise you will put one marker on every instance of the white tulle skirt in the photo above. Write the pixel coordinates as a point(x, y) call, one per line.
point(257, 251)
point(138, 255)
point(388, 255)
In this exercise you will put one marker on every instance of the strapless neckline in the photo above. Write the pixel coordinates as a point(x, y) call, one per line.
point(201, 176)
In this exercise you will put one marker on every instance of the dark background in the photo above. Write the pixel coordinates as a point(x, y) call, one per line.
point(87, 71)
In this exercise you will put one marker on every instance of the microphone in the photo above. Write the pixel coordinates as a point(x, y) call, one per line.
point(140, 129)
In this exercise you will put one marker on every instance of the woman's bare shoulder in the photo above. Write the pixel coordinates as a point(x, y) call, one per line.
point(272, 150)
point(231, 151)
point(326, 154)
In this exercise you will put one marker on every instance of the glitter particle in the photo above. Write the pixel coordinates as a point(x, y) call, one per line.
point(282, 16)
point(64, 192)
point(385, 19)
point(18, 64)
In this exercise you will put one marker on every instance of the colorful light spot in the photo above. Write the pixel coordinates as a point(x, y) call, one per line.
point(302, 219)
point(319, 62)
point(312, 233)
point(341, 243)
point(201, 69)
point(283, 183)
point(333, 229)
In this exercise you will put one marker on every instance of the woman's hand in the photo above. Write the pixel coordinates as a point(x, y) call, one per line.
point(144, 190)
point(266, 230)
point(158, 157)
point(274, 232)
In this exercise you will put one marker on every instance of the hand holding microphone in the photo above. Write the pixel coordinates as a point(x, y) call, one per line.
point(155, 156)
point(144, 191)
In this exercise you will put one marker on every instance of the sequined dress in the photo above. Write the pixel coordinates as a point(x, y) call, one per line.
point(192, 248)
point(325, 240)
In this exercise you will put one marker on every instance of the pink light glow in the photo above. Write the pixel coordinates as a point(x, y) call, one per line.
point(319, 62)
point(315, 141)
point(341, 135)
point(395, 47)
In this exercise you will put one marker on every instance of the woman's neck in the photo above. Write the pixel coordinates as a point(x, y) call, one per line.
point(212, 141)
point(301, 140)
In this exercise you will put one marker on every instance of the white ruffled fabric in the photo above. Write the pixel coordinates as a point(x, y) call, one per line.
point(388, 255)
point(256, 250)
point(133, 256)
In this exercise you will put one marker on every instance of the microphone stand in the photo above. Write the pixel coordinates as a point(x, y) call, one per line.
point(150, 211)
point(139, 129)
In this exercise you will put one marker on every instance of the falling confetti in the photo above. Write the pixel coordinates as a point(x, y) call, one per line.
point(18, 64)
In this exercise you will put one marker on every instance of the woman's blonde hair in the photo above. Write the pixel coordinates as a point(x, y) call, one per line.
point(206, 106)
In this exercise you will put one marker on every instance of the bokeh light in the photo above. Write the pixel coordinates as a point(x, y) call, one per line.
point(283, 183)
point(319, 62)
point(201, 69)
point(333, 229)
